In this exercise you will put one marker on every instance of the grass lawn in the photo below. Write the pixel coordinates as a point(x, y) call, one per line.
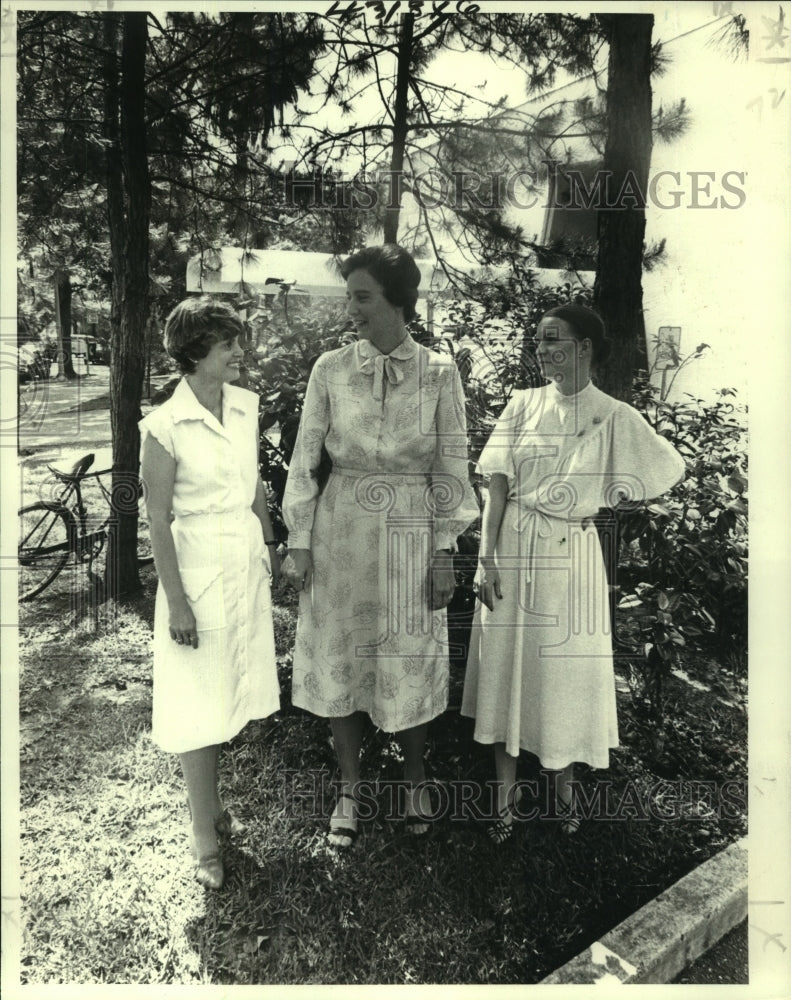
point(108, 894)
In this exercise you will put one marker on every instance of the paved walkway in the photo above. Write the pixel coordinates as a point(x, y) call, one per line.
point(726, 962)
point(59, 421)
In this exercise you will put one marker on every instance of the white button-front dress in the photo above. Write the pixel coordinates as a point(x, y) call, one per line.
point(205, 696)
point(540, 672)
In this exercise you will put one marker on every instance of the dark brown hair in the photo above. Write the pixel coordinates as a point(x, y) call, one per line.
point(585, 324)
point(394, 269)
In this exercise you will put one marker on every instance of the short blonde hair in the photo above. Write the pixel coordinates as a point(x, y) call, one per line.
point(195, 325)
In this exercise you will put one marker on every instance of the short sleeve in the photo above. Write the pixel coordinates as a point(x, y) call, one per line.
point(159, 427)
point(498, 454)
point(639, 455)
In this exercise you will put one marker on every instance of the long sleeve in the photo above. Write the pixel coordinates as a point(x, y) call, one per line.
point(455, 506)
point(302, 487)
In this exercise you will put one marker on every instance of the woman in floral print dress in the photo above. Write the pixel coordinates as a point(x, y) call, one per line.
point(371, 553)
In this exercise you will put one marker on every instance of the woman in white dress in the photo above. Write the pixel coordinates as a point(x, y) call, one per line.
point(540, 672)
point(371, 552)
point(214, 550)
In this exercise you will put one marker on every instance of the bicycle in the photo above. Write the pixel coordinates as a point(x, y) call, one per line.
point(53, 530)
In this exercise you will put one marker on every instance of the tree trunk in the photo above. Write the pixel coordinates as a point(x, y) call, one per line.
point(393, 209)
point(62, 282)
point(129, 205)
point(618, 290)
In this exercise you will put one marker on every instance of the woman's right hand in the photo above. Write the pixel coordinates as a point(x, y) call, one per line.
point(297, 568)
point(486, 584)
point(183, 627)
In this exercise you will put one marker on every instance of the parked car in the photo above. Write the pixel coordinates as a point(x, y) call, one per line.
point(32, 364)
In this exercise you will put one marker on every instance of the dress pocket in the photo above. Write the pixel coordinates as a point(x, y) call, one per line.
point(203, 588)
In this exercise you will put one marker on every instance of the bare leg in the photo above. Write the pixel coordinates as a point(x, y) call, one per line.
point(563, 784)
point(200, 775)
point(505, 765)
point(347, 735)
point(199, 768)
point(413, 744)
point(563, 803)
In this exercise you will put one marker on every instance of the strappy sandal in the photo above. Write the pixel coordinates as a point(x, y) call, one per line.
point(345, 832)
point(569, 820)
point(497, 829)
point(417, 824)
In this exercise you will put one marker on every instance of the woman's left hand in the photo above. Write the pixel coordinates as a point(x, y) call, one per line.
point(443, 580)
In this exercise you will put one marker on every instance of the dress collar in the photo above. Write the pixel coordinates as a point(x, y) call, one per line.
point(404, 350)
point(574, 398)
point(187, 407)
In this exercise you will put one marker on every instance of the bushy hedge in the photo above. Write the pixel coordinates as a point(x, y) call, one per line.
point(683, 569)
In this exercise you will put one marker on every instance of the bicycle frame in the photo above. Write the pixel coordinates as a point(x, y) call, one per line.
point(67, 506)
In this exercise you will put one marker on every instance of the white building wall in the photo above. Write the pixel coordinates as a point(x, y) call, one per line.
point(702, 283)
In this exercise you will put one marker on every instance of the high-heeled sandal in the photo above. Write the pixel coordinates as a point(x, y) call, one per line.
point(348, 833)
point(569, 820)
point(497, 829)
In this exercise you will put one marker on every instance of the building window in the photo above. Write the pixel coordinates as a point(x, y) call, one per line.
point(570, 225)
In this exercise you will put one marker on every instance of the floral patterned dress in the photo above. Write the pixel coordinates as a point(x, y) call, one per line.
point(540, 673)
point(395, 430)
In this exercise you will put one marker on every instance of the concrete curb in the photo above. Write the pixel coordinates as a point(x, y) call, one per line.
point(663, 937)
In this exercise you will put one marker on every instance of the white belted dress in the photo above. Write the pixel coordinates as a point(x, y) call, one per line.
point(205, 696)
point(540, 671)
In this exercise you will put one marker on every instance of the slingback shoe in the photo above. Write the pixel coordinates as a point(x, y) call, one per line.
point(228, 826)
point(347, 833)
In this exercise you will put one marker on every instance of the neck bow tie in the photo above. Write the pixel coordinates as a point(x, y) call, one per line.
point(382, 367)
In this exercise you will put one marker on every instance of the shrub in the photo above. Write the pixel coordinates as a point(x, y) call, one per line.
point(694, 543)
point(287, 338)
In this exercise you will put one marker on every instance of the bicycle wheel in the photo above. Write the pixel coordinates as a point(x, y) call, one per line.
point(46, 532)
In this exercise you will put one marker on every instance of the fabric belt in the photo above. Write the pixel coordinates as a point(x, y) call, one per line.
point(344, 470)
point(531, 523)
